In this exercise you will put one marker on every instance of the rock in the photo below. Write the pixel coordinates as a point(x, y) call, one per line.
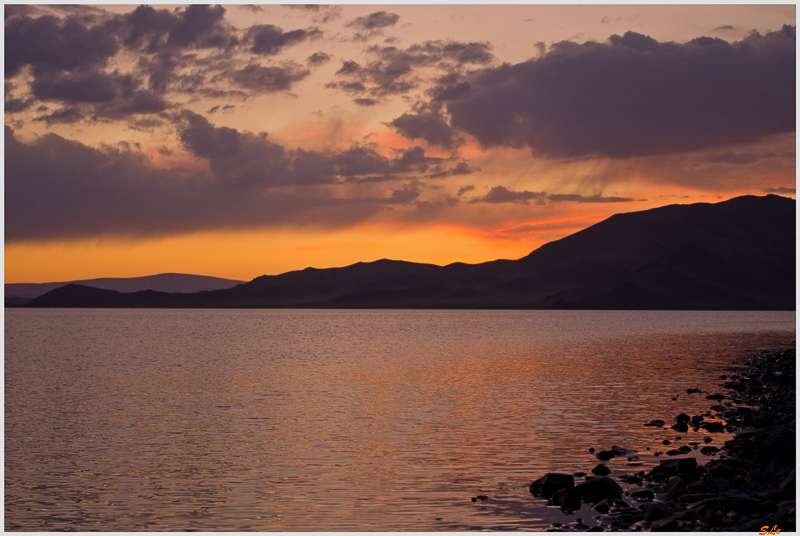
point(692, 391)
point(598, 488)
point(682, 417)
point(656, 422)
point(708, 439)
point(656, 510)
point(789, 482)
point(713, 427)
point(603, 506)
point(620, 451)
point(722, 470)
point(674, 487)
point(605, 455)
point(666, 442)
point(668, 524)
point(681, 427)
point(550, 483)
point(643, 495)
point(567, 499)
point(633, 479)
point(716, 483)
point(601, 470)
point(686, 465)
point(715, 396)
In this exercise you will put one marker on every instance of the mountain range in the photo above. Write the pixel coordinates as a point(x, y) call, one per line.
point(733, 255)
point(17, 293)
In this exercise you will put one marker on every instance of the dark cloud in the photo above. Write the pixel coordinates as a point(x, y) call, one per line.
point(726, 27)
point(14, 105)
point(194, 27)
point(463, 53)
point(395, 71)
point(464, 189)
point(219, 107)
point(234, 157)
point(52, 44)
point(365, 102)
point(349, 68)
point(375, 21)
point(56, 187)
point(597, 198)
point(428, 125)
point(92, 86)
point(403, 195)
point(353, 88)
point(461, 168)
point(322, 14)
point(269, 39)
point(501, 194)
point(243, 157)
point(318, 58)
point(269, 79)
point(630, 96)
point(66, 115)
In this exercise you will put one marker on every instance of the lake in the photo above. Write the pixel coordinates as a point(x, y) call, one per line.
point(346, 420)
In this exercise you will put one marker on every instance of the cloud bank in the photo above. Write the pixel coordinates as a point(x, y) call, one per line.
point(630, 96)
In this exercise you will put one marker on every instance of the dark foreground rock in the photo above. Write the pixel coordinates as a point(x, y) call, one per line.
point(750, 486)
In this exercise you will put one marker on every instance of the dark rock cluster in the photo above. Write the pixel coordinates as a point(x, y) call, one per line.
point(750, 486)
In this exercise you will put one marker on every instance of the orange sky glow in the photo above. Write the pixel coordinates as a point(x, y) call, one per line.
point(237, 141)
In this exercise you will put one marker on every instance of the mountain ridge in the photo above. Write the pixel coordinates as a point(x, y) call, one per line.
point(164, 282)
point(736, 254)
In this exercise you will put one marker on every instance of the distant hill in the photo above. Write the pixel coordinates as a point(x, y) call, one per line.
point(16, 293)
point(738, 254)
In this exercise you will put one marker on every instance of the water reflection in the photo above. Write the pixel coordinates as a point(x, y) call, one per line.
point(338, 420)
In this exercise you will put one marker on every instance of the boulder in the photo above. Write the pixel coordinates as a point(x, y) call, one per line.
point(681, 427)
point(550, 483)
point(667, 524)
point(656, 510)
point(656, 422)
point(605, 455)
point(567, 499)
point(686, 465)
point(601, 470)
point(713, 427)
point(674, 487)
point(643, 495)
point(598, 488)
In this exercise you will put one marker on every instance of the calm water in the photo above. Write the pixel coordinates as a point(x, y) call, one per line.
point(339, 420)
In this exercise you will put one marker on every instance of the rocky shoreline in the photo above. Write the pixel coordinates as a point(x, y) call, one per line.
point(748, 485)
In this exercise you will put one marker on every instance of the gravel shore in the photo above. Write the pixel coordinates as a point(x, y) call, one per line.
point(747, 485)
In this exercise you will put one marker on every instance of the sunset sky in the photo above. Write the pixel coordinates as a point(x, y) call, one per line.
point(237, 141)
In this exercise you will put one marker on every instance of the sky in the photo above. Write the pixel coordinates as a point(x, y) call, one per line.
point(237, 141)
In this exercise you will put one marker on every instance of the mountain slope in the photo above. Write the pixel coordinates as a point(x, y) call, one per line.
point(738, 254)
point(186, 283)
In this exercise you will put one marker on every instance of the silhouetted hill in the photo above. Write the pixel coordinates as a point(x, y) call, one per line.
point(738, 254)
point(18, 293)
